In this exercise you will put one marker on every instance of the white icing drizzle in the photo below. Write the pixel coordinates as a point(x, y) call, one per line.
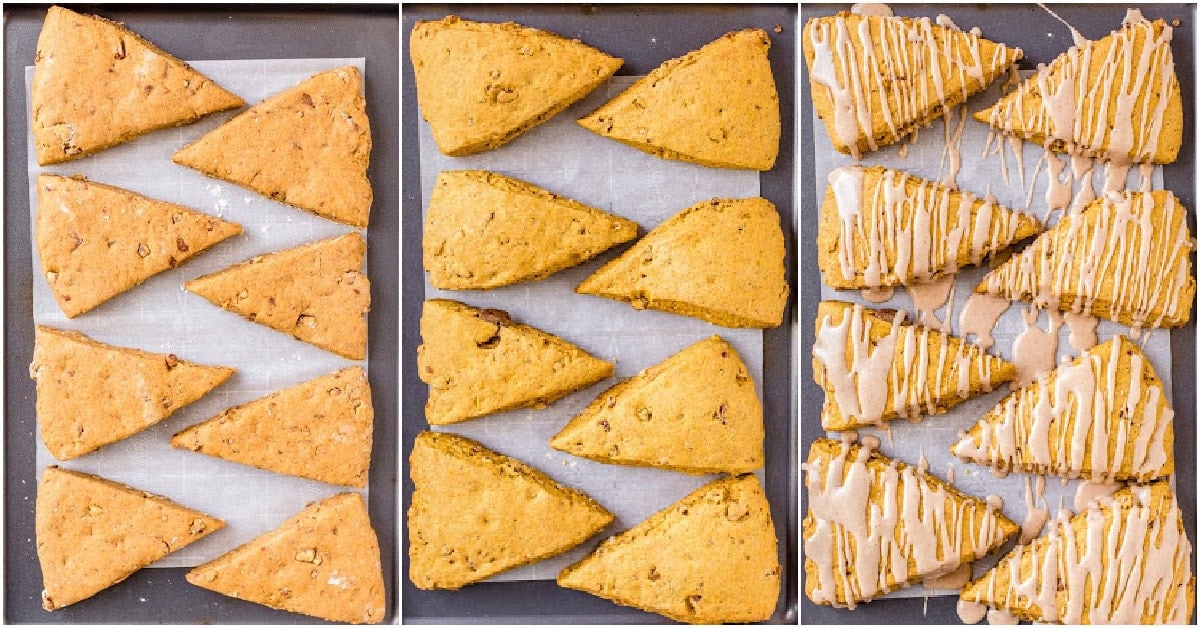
point(882, 294)
point(979, 317)
point(871, 8)
point(971, 612)
point(952, 150)
point(1034, 348)
point(1088, 491)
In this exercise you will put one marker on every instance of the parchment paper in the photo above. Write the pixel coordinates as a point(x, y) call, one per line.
point(160, 316)
point(934, 435)
point(569, 160)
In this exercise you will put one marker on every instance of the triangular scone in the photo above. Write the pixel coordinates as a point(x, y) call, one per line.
point(308, 146)
point(720, 260)
point(93, 533)
point(695, 412)
point(90, 394)
point(319, 429)
point(883, 227)
point(1124, 560)
point(97, 84)
point(96, 241)
point(1114, 98)
point(476, 513)
point(322, 562)
point(877, 79)
point(485, 230)
point(715, 106)
point(874, 368)
point(1124, 258)
point(315, 292)
point(481, 84)
point(1102, 417)
point(478, 362)
point(709, 558)
point(875, 525)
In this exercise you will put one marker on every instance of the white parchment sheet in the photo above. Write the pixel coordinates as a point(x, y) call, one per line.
point(161, 316)
point(567, 159)
point(934, 435)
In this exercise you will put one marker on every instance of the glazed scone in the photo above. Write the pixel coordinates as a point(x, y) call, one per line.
point(308, 146)
point(877, 79)
point(496, 513)
point(883, 227)
point(479, 362)
point(919, 526)
point(315, 292)
point(93, 533)
point(1116, 98)
point(1124, 257)
point(1126, 559)
point(97, 84)
point(1102, 417)
point(875, 368)
point(90, 394)
point(715, 106)
point(720, 260)
point(96, 241)
point(319, 429)
point(485, 230)
point(323, 562)
point(709, 558)
point(695, 412)
point(482, 84)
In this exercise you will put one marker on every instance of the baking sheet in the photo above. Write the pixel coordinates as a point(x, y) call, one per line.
point(160, 316)
point(609, 176)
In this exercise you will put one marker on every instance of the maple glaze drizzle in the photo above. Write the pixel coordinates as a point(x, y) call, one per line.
point(1034, 348)
point(979, 317)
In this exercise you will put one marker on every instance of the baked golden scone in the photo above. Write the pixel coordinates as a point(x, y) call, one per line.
point(96, 241)
point(479, 362)
point(485, 230)
point(695, 412)
point(1126, 559)
point(1124, 257)
point(97, 84)
point(715, 106)
point(481, 84)
point(875, 368)
point(93, 533)
point(875, 525)
point(319, 429)
point(720, 260)
point(308, 146)
point(315, 292)
point(877, 79)
point(1103, 417)
point(709, 558)
point(322, 562)
point(475, 513)
point(883, 227)
point(1116, 98)
point(90, 394)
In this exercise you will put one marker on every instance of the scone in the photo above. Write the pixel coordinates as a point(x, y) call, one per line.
point(709, 558)
point(875, 368)
point(1124, 257)
point(715, 106)
point(875, 525)
point(308, 146)
point(877, 79)
point(97, 84)
point(695, 412)
point(720, 260)
point(1102, 417)
point(319, 429)
point(476, 513)
point(315, 292)
point(90, 394)
point(1116, 98)
point(883, 227)
point(480, 84)
point(485, 230)
point(478, 362)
